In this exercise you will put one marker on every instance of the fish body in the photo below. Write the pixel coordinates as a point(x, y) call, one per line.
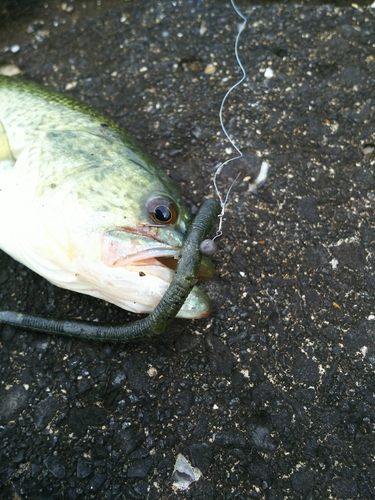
point(83, 206)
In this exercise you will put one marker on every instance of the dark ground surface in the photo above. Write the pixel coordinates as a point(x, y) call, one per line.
point(273, 396)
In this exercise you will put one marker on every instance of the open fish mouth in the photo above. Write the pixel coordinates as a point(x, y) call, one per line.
point(141, 251)
point(138, 280)
point(206, 270)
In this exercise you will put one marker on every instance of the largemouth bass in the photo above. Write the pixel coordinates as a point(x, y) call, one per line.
point(83, 206)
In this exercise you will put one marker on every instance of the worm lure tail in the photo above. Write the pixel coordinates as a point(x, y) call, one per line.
point(154, 324)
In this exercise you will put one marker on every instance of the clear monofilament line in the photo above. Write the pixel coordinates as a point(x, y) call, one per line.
point(240, 155)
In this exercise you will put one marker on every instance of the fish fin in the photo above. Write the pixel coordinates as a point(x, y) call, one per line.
point(5, 152)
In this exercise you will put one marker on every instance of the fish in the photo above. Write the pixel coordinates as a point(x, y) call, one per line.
point(84, 206)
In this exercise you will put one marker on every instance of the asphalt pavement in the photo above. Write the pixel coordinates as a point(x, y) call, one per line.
point(273, 396)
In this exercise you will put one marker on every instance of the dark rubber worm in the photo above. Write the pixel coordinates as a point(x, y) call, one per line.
point(154, 324)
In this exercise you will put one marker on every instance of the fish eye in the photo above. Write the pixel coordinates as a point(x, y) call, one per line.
point(162, 211)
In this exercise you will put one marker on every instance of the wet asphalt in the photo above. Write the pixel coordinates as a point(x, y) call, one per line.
point(273, 396)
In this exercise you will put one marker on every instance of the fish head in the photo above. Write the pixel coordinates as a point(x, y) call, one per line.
point(139, 222)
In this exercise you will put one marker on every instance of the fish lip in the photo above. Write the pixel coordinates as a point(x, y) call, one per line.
point(136, 254)
point(143, 259)
point(147, 257)
point(161, 254)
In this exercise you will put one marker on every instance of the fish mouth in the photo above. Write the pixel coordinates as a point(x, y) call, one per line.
point(138, 267)
point(206, 269)
point(141, 250)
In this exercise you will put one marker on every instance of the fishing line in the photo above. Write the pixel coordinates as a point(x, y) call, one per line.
point(240, 155)
point(208, 247)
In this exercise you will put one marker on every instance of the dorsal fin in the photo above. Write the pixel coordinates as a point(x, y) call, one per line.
point(5, 152)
